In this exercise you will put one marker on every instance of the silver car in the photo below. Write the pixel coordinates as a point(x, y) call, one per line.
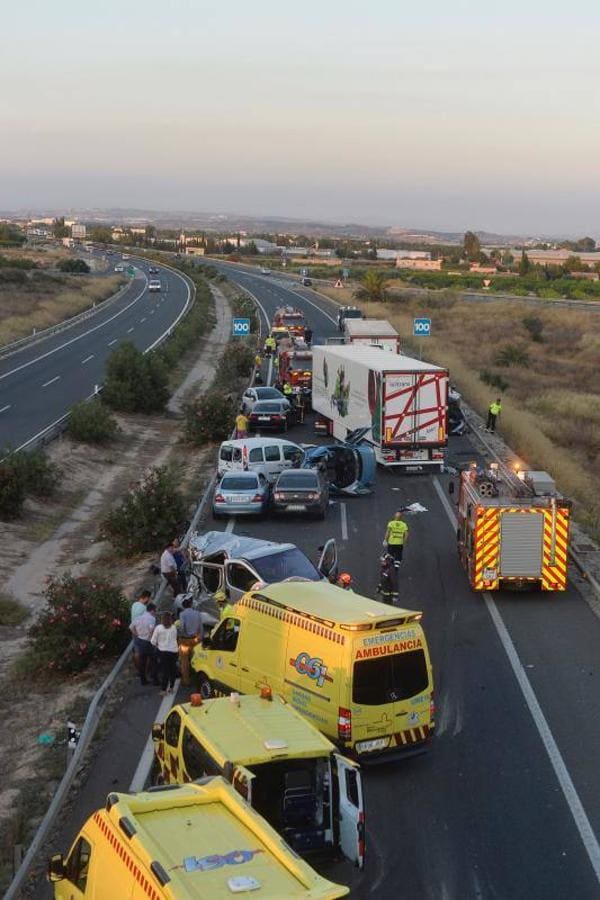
point(241, 493)
point(252, 395)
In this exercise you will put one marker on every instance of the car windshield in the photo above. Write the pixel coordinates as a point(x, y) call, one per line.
point(298, 480)
point(389, 678)
point(287, 564)
point(353, 314)
point(239, 483)
point(268, 393)
point(264, 406)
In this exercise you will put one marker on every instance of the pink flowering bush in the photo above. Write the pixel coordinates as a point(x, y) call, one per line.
point(86, 619)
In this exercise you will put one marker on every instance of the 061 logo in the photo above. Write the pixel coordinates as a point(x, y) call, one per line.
point(305, 664)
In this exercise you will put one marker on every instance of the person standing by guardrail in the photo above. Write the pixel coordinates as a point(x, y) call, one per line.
point(168, 568)
point(164, 638)
point(190, 634)
point(142, 629)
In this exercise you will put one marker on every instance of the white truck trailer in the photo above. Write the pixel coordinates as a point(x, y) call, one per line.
point(399, 402)
point(372, 332)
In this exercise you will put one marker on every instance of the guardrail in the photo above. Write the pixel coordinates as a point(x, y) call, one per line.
point(30, 339)
point(92, 720)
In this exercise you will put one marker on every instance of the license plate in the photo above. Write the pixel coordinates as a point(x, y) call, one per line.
point(264, 418)
point(236, 499)
point(296, 507)
point(370, 746)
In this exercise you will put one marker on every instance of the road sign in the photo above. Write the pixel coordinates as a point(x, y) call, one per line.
point(422, 328)
point(131, 270)
point(241, 327)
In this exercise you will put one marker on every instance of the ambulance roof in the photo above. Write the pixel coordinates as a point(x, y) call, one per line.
point(254, 730)
point(368, 327)
point(376, 358)
point(328, 602)
point(183, 832)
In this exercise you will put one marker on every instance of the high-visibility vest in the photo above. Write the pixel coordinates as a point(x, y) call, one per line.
point(495, 408)
point(287, 389)
point(397, 531)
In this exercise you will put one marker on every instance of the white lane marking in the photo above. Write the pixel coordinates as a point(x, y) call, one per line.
point(582, 823)
point(129, 330)
point(230, 525)
point(52, 380)
point(151, 312)
point(140, 776)
point(72, 341)
point(344, 521)
point(87, 359)
point(143, 320)
point(110, 343)
point(4, 408)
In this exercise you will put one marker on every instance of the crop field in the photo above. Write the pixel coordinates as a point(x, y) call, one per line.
point(545, 364)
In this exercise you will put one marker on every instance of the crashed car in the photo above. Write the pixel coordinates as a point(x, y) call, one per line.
point(350, 465)
point(222, 561)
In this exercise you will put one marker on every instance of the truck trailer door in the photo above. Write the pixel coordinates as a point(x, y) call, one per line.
point(351, 810)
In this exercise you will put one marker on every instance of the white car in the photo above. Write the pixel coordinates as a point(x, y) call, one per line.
point(254, 394)
point(154, 285)
point(265, 271)
point(119, 268)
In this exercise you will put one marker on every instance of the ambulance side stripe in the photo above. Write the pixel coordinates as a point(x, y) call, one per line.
point(129, 860)
point(293, 619)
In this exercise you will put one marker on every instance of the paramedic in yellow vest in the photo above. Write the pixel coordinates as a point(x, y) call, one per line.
point(494, 410)
point(395, 537)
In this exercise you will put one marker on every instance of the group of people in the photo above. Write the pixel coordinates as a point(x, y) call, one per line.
point(158, 645)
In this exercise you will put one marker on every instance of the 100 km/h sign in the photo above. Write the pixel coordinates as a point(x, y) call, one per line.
point(422, 328)
point(241, 327)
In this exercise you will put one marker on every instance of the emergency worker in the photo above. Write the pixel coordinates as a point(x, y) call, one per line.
point(495, 408)
point(388, 579)
point(287, 389)
point(395, 537)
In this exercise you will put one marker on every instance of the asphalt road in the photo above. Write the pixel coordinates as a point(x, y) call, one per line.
point(40, 383)
point(506, 803)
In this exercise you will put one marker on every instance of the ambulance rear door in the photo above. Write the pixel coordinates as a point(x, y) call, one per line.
point(351, 810)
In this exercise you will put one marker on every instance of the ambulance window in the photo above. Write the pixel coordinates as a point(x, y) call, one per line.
point(389, 678)
point(272, 453)
point(226, 635)
point(172, 727)
point(255, 455)
point(196, 759)
point(78, 864)
point(240, 577)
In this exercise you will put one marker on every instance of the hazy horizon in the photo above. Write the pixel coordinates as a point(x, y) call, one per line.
point(441, 119)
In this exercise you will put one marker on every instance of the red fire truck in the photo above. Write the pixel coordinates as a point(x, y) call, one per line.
point(292, 319)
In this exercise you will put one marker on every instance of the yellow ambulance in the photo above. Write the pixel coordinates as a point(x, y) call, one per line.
point(358, 669)
point(281, 764)
point(195, 841)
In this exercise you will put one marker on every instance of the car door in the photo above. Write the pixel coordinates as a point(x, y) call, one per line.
point(239, 578)
point(274, 461)
point(351, 810)
point(210, 576)
point(328, 560)
point(77, 869)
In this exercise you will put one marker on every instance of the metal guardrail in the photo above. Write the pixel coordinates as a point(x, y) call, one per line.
point(30, 339)
point(93, 717)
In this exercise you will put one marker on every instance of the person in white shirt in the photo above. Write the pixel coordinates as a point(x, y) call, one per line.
point(168, 568)
point(142, 629)
point(139, 606)
point(164, 638)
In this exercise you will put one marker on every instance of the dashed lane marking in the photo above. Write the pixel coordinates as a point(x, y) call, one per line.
point(52, 380)
point(87, 359)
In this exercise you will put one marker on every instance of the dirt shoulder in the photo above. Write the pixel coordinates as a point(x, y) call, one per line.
point(61, 535)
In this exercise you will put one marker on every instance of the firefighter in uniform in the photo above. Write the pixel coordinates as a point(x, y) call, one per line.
point(388, 579)
point(395, 537)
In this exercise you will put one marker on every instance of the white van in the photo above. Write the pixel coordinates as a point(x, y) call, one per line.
point(265, 455)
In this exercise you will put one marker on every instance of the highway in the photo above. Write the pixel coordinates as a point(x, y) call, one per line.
point(506, 804)
point(40, 382)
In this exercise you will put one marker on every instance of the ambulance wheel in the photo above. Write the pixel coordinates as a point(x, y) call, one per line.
point(205, 688)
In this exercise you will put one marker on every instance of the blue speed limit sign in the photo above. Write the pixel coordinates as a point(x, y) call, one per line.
point(241, 327)
point(421, 327)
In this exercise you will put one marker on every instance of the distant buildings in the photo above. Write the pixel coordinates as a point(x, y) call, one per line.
point(556, 257)
point(432, 265)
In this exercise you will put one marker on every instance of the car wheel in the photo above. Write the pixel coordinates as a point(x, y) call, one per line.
point(205, 688)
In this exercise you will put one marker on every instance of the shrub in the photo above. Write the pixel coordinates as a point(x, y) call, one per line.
point(86, 619)
point(12, 491)
point(535, 327)
point(209, 418)
point(494, 380)
point(135, 382)
point(92, 423)
point(38, 475)
point(512, 355)
point(12, 611)
point(149, 516)
point(77, 266)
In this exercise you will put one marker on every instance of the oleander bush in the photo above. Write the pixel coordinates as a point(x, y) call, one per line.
point(92, 423)
point(209, 418)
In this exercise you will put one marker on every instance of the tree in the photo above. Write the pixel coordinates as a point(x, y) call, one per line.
point(507, 258)
point(586, 245)
point(150, 233)
point(574, 264)
point(59, 229)
point(471, 246)
point(101, 235)
point(373, 287)
point(524, 264)
point(135, 382)
point(75, 266)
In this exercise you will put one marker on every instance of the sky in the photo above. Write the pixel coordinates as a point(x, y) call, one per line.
point(443, 116)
